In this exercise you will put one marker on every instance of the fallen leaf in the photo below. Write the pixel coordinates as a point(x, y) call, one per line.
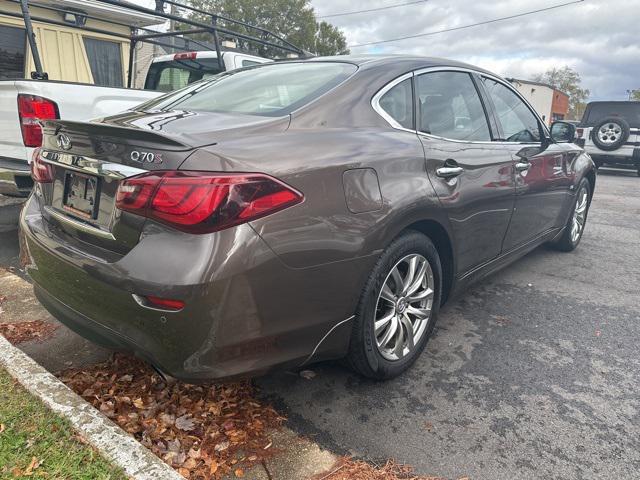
point(2, 427)
point(239, 472)
point(138, 403)
point(35, 463)
point(185, 423)
point(221, 446)
point(214, 467)
point(307, 374)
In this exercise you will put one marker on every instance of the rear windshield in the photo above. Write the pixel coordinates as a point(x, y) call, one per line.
point(177, 74)
point(270, 90)
point(630, 111)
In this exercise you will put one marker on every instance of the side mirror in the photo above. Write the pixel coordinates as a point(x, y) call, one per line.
point(563, 132)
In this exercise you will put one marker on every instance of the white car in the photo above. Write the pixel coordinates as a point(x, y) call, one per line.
point(610, 133)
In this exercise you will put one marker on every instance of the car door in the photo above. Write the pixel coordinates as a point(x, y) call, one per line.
point(540, 170)
point(471, 174)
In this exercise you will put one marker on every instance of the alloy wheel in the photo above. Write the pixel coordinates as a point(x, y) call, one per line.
point(609, 133)
point(579, 215)
point(403, 309)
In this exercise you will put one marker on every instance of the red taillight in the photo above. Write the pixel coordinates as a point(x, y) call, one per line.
point(32, 108)
point(202, 202)
point(185, 56)
point(579, 132)
point(41, 172)
point(164, 303)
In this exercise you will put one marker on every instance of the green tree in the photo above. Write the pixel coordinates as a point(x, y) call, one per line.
point(635, 94)
point(293, 20)
point(568, 81)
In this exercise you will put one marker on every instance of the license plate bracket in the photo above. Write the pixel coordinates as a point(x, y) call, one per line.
point(81, 194)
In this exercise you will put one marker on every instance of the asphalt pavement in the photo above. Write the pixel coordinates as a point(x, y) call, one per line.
point(532, 373)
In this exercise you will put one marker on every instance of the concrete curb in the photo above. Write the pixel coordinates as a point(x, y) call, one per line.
point(112, 442)
point(9, 212)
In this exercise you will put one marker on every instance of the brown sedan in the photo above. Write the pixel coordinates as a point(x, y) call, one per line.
point(294, 212)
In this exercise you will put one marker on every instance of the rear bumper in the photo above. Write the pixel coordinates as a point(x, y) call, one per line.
point(15, 177)
point(246, 312)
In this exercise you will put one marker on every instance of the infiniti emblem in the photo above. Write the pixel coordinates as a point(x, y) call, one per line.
point(63, 141)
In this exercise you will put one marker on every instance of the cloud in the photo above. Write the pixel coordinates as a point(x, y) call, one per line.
point(598, 39)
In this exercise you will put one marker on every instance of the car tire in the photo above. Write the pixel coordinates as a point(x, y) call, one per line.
point(396, 305)
point(610, 133)
point(569, 239)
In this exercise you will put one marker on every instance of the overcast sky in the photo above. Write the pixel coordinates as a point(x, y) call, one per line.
point(598, 38)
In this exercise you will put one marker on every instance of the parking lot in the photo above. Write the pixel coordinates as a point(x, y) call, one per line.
point(533, 373)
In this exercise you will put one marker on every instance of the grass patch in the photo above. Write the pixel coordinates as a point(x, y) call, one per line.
point(35, 443)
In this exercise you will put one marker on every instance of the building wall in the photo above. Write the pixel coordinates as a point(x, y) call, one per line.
point(61, 48)
point(539, 96)
point(559, 106)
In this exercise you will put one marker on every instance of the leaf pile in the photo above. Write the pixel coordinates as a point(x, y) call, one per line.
point(20, 332)
point(203, 431)
point(350, 469)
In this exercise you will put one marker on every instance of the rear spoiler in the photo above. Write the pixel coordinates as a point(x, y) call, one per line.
point(112, 133)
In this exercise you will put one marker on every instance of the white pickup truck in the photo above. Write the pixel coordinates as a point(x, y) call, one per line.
point(22, 102)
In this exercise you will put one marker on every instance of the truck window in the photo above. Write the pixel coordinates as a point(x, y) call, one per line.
point(629, 111)
point(250, 63)
point(176, 74)
point(105, 61)
point(13, 43)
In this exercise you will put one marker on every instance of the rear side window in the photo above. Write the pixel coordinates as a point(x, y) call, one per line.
point(269, 90)
point(450, 107)
point(105, 61)
point(398, 103)
point(13, 42)
point(629, 111)
point(249, 63)
point(519, 123)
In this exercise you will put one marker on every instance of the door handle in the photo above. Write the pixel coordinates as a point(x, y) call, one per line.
point(522, 166)
point(449, 172)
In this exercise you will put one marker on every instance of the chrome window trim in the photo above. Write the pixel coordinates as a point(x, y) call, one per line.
point(375, 103)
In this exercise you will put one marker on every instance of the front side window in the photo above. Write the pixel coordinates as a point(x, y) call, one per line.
point(270, 90)
point(105, 61)
point(450, 107)
point(13, 42)
point(519, 123)
point(398, 103)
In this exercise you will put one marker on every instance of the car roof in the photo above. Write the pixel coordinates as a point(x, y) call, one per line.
point(410, 62)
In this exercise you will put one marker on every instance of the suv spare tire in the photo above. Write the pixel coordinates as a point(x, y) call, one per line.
point(610, 133)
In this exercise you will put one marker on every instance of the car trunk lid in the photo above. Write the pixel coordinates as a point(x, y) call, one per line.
point(88, 161)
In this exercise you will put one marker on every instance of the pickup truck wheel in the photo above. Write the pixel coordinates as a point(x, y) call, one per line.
point(610, 133)
point(574, 228)
point(398, 308)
